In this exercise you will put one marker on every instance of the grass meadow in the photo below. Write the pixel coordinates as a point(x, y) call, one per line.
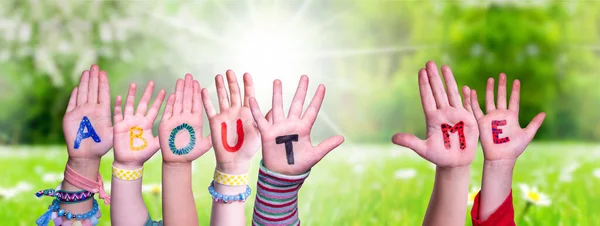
point(354, 185)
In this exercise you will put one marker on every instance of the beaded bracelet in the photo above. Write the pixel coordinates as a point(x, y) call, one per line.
point(231, 180)
point(56, 213)
point(228, 198)
point(66, 197)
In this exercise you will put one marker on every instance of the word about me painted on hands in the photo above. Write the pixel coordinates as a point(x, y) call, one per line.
point(81, 135)
point(458, 127)
point(497, 131)
point(138, 135)
point(240, 136)
point(289, 147)
point(187, 149)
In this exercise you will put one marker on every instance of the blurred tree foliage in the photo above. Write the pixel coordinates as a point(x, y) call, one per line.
point(551, 48)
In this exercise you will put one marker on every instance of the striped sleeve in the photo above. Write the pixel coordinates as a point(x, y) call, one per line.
point(277, 198)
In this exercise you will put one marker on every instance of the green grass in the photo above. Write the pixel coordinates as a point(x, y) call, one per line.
point(354, 185)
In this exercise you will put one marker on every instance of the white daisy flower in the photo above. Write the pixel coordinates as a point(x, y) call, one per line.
point(10, 192)
point(566, 175)
point(472, 194)
point(154, 189)
point(532, 195)
point(597, 173)
point(359, 169)
point(52, 177)
point(405, 173)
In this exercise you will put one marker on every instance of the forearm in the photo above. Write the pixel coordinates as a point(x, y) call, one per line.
point(229, 213)
point(178, 204)
point(128, 207)
point(277, 198)
point(448, 203)
point(87, 168)
point(495, 186)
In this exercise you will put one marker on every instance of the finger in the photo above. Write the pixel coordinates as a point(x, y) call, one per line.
point(248, 89)
point(269, 117)
point(168, 112)
point(208, 106)
point(436, 85)
point(315, 105)
point(178, 106)
point(412, 142)
point(234, 89)
point(467, 98)
point(489, 96)
point(501, 92)
point(328, 145)
point(475, 105)
point(515, 96)
point(130, 101)
point(143, 104)
point(153, 112)
point(104, 91)
point(197, 99)
point(221, 93)
point(82, 92)
point(188, 93)
point(93, 86)
point(298, 101)
point(427, 99)
point(260, 120)
point(118, 115)
point(534, 125)
point(72, 100)
point(277, 101)
point(451, 87)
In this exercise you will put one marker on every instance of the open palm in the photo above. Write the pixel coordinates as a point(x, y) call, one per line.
point(183, 114)
point(451, 128)
point(502, 138)
point(295, 130)
point(235, 136)
point(91, 99)
point(134, 142)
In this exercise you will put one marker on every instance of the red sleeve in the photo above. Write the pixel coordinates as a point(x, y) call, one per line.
point(504, 215)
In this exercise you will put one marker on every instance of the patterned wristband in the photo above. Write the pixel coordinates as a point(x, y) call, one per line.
point(128, 175)
point(231, 180)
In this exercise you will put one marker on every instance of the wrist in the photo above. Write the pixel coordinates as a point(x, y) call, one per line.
point(127, 166)
point(87, 167)
point(229, 190)
point(500, 163)
point(233, 168)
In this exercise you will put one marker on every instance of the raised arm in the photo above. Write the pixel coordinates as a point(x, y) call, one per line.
point(450, 144)
point(88, 134)
point(134, 145)
point(236, 140)
point(288, 154)
point(503, 140)
point(181, 142)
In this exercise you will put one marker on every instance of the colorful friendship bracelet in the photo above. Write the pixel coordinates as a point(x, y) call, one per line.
point(277, 198)
point(127, 175)
point(228, 198)
point(56, 214)
point(231, 180)
point(66, 197)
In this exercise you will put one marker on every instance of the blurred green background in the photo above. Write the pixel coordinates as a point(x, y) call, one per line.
point(366, 52)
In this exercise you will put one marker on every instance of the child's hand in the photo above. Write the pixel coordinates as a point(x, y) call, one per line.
point(451, 128)
point(134, 142)
point(183, 116)
point(235, 136)
point(86, 125)
point(287, 148)
point(501, 135)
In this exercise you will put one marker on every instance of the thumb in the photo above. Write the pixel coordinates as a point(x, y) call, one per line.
point(410, 141)
point(328, 145)
point(534, 125)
